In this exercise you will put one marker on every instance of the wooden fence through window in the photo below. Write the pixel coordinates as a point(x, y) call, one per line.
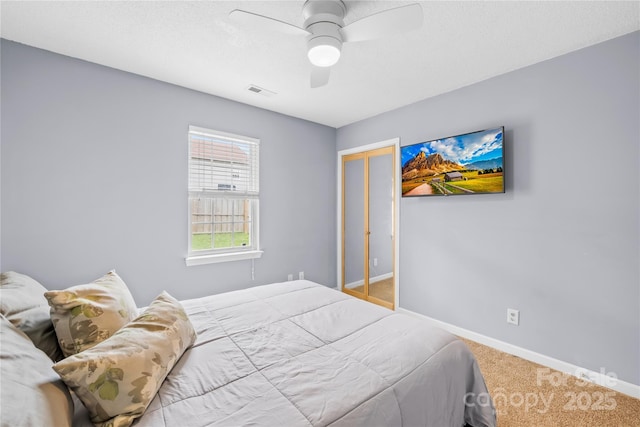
point(219, 216)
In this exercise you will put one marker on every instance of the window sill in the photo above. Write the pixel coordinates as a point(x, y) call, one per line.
point(215, 258)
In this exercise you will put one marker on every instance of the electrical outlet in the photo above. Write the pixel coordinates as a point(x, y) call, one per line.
point(513, 316)
point(301, 275)
point(375, 262)
point(290, 277)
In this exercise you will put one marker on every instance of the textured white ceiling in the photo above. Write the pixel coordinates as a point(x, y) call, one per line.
point(194, 44)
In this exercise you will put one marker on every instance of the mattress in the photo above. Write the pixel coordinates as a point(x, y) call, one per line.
point(301, 354)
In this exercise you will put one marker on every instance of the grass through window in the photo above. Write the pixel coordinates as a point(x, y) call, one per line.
point(220, 240)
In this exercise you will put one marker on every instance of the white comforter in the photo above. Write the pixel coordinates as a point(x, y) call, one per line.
point(301, 354)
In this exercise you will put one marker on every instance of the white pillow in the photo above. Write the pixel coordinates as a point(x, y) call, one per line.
point(22, 302)
point(31, 393)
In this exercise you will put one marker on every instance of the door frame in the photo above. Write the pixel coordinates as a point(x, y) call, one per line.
point(395, 142)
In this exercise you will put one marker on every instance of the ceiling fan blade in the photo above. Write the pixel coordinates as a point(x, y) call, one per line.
point(382, 24)
point(320, 76)
point(265, 23)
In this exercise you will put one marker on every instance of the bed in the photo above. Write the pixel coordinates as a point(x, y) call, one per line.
point(300, 354)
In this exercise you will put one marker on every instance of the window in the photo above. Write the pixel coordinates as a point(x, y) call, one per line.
point(223, 197)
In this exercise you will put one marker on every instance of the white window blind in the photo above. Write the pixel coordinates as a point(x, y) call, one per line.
point(223, 197)
point(223, 163)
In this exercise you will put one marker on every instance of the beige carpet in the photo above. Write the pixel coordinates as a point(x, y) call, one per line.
point(382, 289)
point(527, 394)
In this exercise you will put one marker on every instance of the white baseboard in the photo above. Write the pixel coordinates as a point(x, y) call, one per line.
point(600, 378)
point(371, 280)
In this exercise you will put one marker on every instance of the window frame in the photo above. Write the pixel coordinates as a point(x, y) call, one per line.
point(215, 255)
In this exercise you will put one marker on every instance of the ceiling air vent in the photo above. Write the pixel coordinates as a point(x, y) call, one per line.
point(260, 90)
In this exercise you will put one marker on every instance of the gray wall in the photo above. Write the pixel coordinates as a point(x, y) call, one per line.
point(562, 245)
point(94, 177)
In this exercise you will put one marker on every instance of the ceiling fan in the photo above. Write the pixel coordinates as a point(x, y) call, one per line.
point(325, 30)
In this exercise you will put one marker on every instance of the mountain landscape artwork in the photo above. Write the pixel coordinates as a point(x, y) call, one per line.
point(470, 163)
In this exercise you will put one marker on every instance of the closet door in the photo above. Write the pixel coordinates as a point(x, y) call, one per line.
point(368, 269)
point(353, 225)
point(380, 243)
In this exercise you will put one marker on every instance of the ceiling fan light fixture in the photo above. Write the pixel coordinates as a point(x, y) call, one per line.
point(324, 51)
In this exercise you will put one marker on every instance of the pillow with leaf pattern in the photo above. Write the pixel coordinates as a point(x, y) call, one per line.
point(85, 315)
point(118, 378)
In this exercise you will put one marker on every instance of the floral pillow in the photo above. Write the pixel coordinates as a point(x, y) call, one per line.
point(117, 378)
point(85, 315)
